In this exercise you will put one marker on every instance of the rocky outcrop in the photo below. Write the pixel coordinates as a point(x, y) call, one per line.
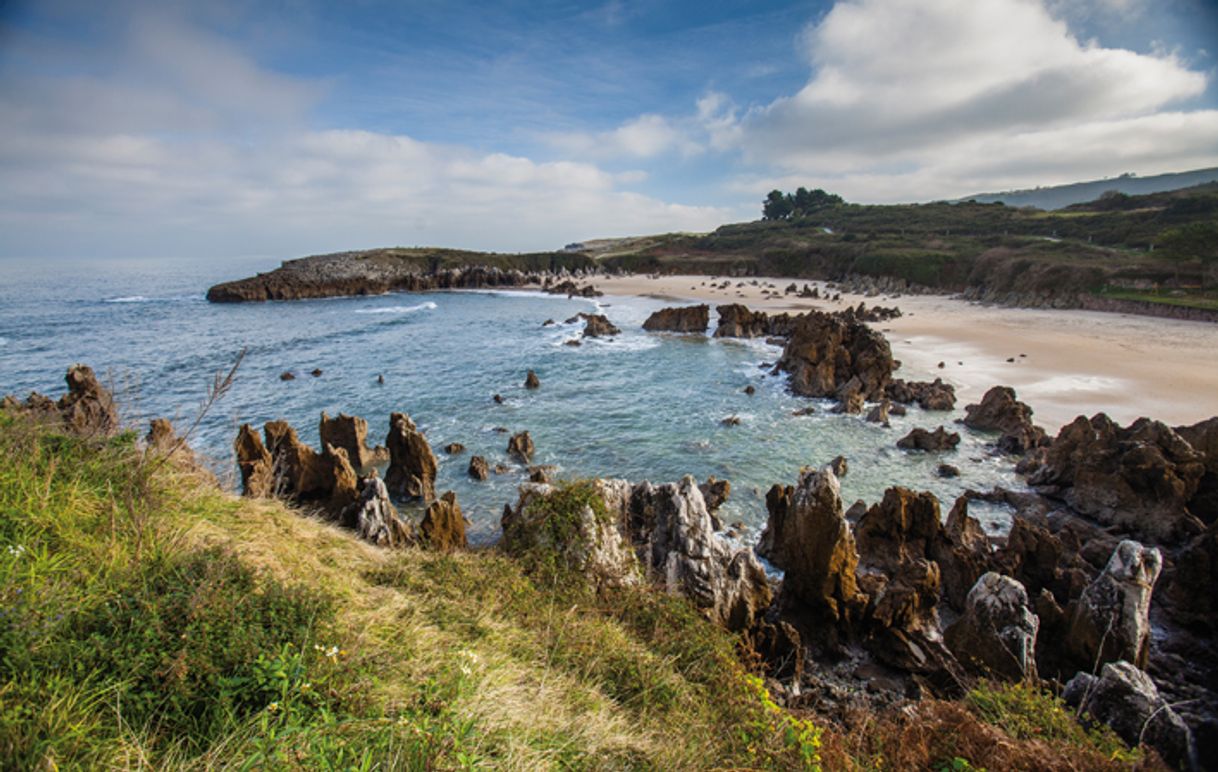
point(255, 464)
point(478, 468)
point(412, 465)
point(531, 381)
point(443, 526)
point(1139, 479)
point(374, 518)
point(1126, 699)
point(521, 448)
point(685, 319)
point(300, 473)
point(963, 553)
point(935, 442)
point(996, 635)
point(289, 469)
point(828, 356)
point(1111, 619)
point(935, 395)
point(737, 321)
point(587, 540)
point(161, 436)
point(598, 326)
point(1000, 411)
point(879, 413)
point(87, 410)
point(1203, 437)
point(351, 434)
point(571, 289)
point(715, 492)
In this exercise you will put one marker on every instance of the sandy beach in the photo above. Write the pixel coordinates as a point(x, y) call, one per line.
point(1066, 363)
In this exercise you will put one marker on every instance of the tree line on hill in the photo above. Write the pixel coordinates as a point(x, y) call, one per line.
point(801, 203)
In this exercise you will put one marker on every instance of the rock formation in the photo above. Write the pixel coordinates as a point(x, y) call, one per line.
point(374, 517)
point(598, 326)
point(478, 468)
point(351, 434)
point(412, 465)
point(685, 319)
point(715, 492)
point(999, 411)
point(443, 526)
point(161, 436)
point(1203, 437)
point(737, 321)
point(1111, 619)
point(520, 447)
point(531, 381)
point(937, 441)
point(87, 410)
point(935, 395)
point(255, 464)
point(996, 635)
point(828, 356)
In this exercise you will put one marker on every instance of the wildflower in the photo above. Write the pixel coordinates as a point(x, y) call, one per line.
point(273, 707)
point(306, 686)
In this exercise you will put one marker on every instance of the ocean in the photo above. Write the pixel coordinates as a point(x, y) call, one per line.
point(639, 406)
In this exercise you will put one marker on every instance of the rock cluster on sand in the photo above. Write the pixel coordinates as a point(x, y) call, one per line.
point(933, 395)
point(685, 319)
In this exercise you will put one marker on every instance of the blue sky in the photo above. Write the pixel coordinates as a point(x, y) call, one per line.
point(162, 129)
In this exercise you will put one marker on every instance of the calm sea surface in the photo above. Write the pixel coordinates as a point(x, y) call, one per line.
point(641, 406)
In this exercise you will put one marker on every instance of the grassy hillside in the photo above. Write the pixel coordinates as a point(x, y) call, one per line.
point(150, 620)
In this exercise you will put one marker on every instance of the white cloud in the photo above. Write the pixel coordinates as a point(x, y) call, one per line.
point(957, 96)
point(647, 136)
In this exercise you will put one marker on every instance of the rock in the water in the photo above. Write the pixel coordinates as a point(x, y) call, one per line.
point(1000, 411)
point(412, 465)
point(374, 517)
point(453, 448)
point(686, 319)
point(287, 376)
point(351, 434)
point(1126, 699)
point(1139, 479)
point(937, 441)
point(731, 420)
point(531, 381)
point(807, 536)
point(750, 389)
point(879, 413)
point(826, 353)
point(315, 372)
point(541, 474)
point(935, 395)
point(996, 635)
point(443, 526)
point(300, 473)
point(840, 466)
point(947, 471)
point(598, 326)
point(737, 321)
point(1111, 619)
point(521, 447)
point(255, 463)
point(850, 402)
point(478, 468)
point(715, 492)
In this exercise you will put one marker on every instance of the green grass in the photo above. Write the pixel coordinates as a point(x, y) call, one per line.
point(1207, 302)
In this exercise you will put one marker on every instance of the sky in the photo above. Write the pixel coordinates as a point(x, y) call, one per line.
point(282, 128)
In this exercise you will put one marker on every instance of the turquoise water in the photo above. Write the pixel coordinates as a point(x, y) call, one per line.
point(641, 406)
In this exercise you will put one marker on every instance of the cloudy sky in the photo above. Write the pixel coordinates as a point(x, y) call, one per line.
point(240, 127)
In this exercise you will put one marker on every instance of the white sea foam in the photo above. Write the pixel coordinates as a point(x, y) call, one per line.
point(129, 299)
point(428, 306)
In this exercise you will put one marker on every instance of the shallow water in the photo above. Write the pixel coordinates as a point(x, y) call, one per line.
point(640, 406)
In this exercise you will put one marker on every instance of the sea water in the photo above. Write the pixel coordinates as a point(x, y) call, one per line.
point(637, 406)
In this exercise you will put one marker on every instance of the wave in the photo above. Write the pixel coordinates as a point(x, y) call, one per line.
point(428, 306)
point(146, 299)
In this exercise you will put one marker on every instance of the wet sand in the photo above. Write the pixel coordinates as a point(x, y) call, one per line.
point(1066, 363)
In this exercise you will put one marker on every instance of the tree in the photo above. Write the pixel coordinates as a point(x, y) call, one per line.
point(804, 202)
point(776, 206)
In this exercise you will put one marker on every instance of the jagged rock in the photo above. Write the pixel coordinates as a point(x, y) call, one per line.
point(541, 474)
point(343, 482)
point(674, 535)
point(937, 441)
point(737, 321)
point(87, 410)
point(1193, 579)
point(255, 463)
point(1139, 479)
point(686, 319)
point(962, 551)
point(287, 376)
point(300, 473)
point(1111, 619)
point(478, 468)
point(443, 526)
point(996, 635)
point(1000, 411)
point(897, 410)
point(374, 517)
point(879, 413)
point(935, 395)
point(521, 447)
point(826, 353)
point(750, 389)
point(781, 646)
point(807, 536)
point(904, 620)
point(453, 448)
point(715, 492)
point(160, 435)
point(351, 434)
point(531, 381)
point(839, 465)
point(1040, 560)
point(1126, 699)
point(903, 527)
point(589, 541)
point(850, 402)
point(598, 326)
point(731, 420)
point(1203, 437)
point(947, 471)
point(412, 465)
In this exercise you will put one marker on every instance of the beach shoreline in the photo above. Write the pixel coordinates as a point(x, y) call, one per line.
point(1063, 363)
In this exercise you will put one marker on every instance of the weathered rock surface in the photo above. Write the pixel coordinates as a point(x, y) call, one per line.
point(1139, 479)
point(1111, 619)
point(1203, 437)
point(935, 442)
point(300, 472)
point(996, 635)
point(161, 436)
point(351, 434)
point(935, 395)
point(737, 321)
point(879, 413)
point(87, 410)
point(598, 326)
point(453, 448)
point(1126, 699)
point(443, 526)
point(1000, 411)
point(374, 517)
point(521, 448)
point(684, 319)
point(828, 356)
point(531, 381)
point(478, 468)
point(715, 492)
point(255, 463)
point(412, 465)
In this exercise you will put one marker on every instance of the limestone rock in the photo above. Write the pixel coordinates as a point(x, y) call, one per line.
point(825, 353)
point(351, 434)
point(344, 484)
point(160, 435)
point(937, 441)
point(963, 553)
point(412, 465)
point(521, 447)
point(88, 409)
point(374, 517)
point(300, 473)
point(598, 326)
point(453, 448)
point(807, 536)
point(255, 463)
point(879, 413)
point(531, 381)
point(1111, 619)
point(1000, 411)
point(686, 319)
point(996, 635)
point(737, 321)
point(1203, 437)
point(1139, 479)
point(1126, 699)
point(935, 395)
point(478, 468)
point(715, 492)
point(443, 526)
